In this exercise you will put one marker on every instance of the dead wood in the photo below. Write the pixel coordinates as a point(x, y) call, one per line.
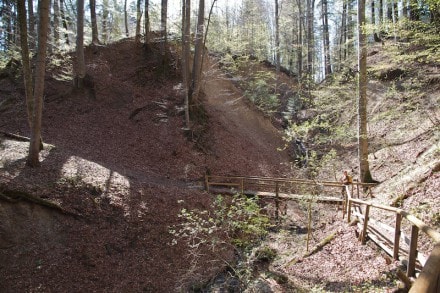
point(15, 136)
point(15, 195)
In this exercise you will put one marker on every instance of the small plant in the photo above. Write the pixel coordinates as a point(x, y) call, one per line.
point(239, 222)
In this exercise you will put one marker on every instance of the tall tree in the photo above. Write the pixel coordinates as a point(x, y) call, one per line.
point(40, 70)
point(25, 60)
point(300, 39)
point(326, 38)
point(94, 22)
point(105, 21)
point(186, 56)
point(31, 24)
point(56, 22)
point(137, 36)
point(65, 22)
point(147, 23)
point(198, 52)
point(310, 37)
point(80, 64)
point(277, 38)
point(126, 18)
point(364, 169)
point(163, 28)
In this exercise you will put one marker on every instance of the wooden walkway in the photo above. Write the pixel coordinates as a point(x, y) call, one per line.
point(391, 239)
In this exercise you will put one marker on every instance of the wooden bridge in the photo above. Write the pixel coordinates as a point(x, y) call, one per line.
point(391, 239)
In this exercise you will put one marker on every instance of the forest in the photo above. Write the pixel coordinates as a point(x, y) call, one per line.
point(199, 146)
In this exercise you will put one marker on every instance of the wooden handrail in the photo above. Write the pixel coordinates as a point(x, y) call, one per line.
point(429, 279)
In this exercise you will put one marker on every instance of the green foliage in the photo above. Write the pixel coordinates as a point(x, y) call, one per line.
point(239, 222)
point(259, 91)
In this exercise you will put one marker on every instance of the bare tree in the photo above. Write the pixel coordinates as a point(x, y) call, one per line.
point(186, 54)
point(163, 28)
point(43, 27)
point(56, 22)
point(95, 36)
point(64, 21)
point(199, 51)
point(364, 169)
point(326, 38)
point(137, 37)
point(147, 23)
point(80, 64)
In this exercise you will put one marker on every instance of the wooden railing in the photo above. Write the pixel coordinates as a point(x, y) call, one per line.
point(429, 278)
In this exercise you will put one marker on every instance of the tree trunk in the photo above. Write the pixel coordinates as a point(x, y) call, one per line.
point(186, 45)
point(364, 168)
point(326, 39)
point(64, 21)
point(147, 23)
point(25, 60)
point(198, 53)
point(163, 29)
point(137, 38)
point(277, 45)
point(300, 40)
point(310, 37)
point(43, 27)
point(80, 59)
point(105, 16)
point(95, 35)
point(31, 25)
point(343, 37)
point(56, 23)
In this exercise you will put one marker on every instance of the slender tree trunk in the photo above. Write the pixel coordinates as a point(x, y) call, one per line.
point(126, 18)
point(80, 59)
point(137, 38)
point(277, 45)
point(147, 23)
point(364, 168)
point(56, 23)
point(95, 35)
point(199, 51)
point(31, 25)
point(27, 72)
point(43, 27)
point(64, 21)
point(310, 37)
point(186, 45)
point(326, 39)
point(343, 38)
point(105, 17)
point(163, 28)
point(300, 40)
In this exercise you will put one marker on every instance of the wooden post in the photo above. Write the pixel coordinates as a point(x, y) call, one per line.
point(411, 270)
point(397, 236)
point(277, 204)
point(349, 212)
point(242, 185)
point(364, 231)
point(357, 188)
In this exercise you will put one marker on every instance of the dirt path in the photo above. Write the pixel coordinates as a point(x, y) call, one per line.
point(235, 120)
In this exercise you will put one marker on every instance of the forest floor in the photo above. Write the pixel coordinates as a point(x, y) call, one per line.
point(120, 167)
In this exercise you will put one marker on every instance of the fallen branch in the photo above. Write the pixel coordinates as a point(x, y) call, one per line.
point(14, 196)
point(317, 248)
point(15, 136)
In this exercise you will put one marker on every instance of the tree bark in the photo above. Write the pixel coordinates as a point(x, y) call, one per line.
point(64, 21)
point(326, 39)
point(186, 45)
point(26, 63)
point(43, 27)
point(163, 28)
point(80, 67)
point(56, 23)
point(198, 53)
point(364, 168)
point(137, 38)
point(95, 35)
point(147, 23)
point(31, 25)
